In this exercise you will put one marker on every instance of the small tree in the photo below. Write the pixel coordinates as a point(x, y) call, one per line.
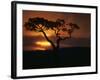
point(41, 25)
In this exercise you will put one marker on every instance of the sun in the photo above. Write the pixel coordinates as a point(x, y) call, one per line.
point(43, 43)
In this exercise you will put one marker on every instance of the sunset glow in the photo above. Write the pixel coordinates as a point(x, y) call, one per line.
point(43, 43)
point(36, 40)
point(38, 48)
point(49, 33)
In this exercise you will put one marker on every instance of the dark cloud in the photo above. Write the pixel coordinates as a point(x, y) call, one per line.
point(30, 40)
point(77, 42)
point(74, 42)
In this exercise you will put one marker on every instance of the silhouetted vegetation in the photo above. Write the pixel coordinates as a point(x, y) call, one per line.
point(41, 25)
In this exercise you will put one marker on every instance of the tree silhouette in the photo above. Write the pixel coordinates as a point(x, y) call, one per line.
point(41, 25)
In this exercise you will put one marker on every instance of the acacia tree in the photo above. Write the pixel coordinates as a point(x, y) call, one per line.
point(41, 25)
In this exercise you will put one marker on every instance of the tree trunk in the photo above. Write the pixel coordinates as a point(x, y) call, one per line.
point(52, 44)
point(58, 43)
point(55, 50)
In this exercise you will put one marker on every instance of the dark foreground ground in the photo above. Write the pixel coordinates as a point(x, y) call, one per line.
point(66, 57)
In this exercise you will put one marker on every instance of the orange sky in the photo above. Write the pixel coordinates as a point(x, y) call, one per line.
point(35, 40)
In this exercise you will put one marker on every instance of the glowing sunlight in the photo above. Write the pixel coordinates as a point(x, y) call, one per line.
point(43, 43)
